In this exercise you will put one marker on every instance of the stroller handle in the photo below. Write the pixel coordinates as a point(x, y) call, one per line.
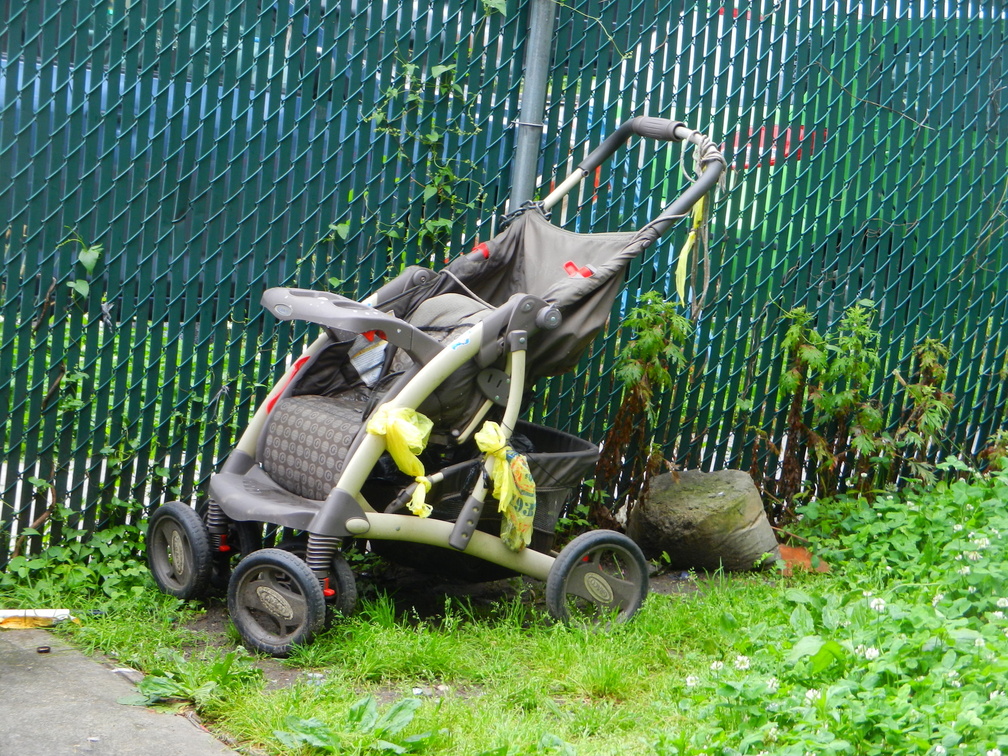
point(661, 129)
point(712, 164)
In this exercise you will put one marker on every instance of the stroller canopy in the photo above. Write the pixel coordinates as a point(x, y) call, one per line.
point(581, 274)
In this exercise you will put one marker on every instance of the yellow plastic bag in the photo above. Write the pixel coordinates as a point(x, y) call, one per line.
point(513, 486)
point(406, 432)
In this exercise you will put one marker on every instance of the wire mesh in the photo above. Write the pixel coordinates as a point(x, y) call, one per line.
point(214, 149)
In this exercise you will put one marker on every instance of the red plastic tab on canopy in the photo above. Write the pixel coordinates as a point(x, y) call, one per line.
point(483, 249)
point(574, 270)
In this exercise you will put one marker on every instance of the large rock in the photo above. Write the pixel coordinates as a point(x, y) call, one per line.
point(704, 521)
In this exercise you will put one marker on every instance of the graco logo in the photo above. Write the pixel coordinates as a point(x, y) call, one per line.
point(274, 603)
point(178, 558)
point(598, 588)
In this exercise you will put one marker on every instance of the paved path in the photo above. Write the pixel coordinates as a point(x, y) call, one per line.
point(63, 703)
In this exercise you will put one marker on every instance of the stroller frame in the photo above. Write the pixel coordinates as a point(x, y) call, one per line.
point(278, 597)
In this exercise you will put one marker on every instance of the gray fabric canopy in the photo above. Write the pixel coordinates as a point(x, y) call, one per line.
point(532, 256)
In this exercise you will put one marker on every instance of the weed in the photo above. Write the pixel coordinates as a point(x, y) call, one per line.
point(364, 729)
point(644, 366)
point(185, 680)
point(838, 437)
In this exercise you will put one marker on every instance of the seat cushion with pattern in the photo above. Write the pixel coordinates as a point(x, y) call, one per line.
point(306, 442)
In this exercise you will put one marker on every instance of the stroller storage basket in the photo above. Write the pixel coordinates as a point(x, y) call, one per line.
point(558, 462)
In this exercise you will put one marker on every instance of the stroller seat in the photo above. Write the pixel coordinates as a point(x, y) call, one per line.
point(307, 440)
point(309, 437)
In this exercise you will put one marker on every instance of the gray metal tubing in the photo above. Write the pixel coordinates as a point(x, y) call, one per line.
point(650, 128)
point(533, 103)
point(713, 165)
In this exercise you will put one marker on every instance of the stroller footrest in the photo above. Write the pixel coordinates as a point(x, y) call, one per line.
point(465, 524)
point(254, 496)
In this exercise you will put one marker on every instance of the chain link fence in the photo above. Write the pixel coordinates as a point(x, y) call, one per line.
point(163, 163)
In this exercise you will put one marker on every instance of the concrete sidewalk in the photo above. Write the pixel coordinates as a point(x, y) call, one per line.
point(63, 703)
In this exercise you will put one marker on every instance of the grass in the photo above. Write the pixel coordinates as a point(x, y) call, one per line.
point(900, 649)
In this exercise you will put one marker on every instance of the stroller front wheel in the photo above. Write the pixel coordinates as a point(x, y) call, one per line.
point(598, 577)
point(178, 551)
point(275, 601)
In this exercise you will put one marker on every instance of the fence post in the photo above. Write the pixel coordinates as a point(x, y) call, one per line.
point(538, 56)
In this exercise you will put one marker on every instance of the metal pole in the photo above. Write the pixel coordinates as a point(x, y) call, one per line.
point(538, 56)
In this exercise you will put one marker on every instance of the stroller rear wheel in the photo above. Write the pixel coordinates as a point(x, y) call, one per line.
point(599, 576)
point(178, 551)
point(275, 601)
point(242, 539)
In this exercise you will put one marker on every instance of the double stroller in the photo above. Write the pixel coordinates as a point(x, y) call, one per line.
point(399, 426)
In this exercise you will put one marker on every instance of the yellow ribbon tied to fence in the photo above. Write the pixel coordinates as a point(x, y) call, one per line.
point(513, 486)
point(406, 432)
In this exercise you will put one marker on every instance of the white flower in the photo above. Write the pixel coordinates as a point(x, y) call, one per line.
point(971, 589)
point(964, 570)
point(939, 750)
point(998, 615)
point(717, 666)
point(812, 695)
point(973, 556)
point(994, 752)
point(981, 542)
point(773, 685)
point(692, 681)
point(996, 694)
point(866, 594)
point(979, 643)
point(957, 528)
point(937, 599)
point(771, 734)
point(877, 604)
point(741, 662)
point(1002, 603)
point(871, 653)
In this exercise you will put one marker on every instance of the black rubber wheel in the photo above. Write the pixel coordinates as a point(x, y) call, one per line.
point(275, 601)
point(341, 577)
point(599, 577)
point(342, 580)
point(178, 551)
point(242, 537)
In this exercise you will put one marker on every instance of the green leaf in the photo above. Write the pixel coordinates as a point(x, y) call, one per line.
point(829, 652)
point(438, 71)
point(797, 596)
point(495, 6)
point(397, 717)
point(313, 732)
point(429, 192)
point(810, 645)
point(801, 620)
point(81, 287)
point(88, 257)
point(363, 715)
point(342, 230)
